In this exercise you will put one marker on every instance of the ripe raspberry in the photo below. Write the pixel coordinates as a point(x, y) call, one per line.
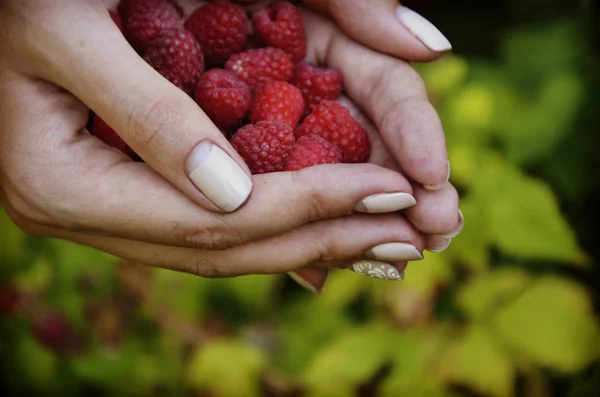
point(221, 29)
point(277, 100)
point(52, 330)
point(333, 121)
point(280, 25)
point(146, 19)
point(261, 65)
point(176, 55)
point(106, 134)
point(264, 146)
point(312, 150)
point(117, 20)
point(224, 97)
point(317, 84)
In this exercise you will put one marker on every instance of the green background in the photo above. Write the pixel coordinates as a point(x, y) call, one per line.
point(510, 309)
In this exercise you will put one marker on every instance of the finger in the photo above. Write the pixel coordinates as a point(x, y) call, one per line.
point(312, 279)
point(162, 124)
point(436, 212)
point(326, 243)
point(392, 95)
point(386, 26)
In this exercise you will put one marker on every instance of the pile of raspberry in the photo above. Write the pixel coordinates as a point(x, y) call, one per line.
point(247, 72)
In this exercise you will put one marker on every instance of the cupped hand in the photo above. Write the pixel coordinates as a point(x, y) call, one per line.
point(58, 59)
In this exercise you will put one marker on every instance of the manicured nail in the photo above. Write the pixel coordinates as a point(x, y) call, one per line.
point(385, 202)
point(440, 185)
point(395, 252)
point(461, 225)
point(438, 243)
point(218, 176)
point(423, 29)
point(303, 282)
point(377, 269)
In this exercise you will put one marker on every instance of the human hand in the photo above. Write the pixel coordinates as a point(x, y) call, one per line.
point(59, 58)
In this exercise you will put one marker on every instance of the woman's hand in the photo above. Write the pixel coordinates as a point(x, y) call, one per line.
point(59, 58)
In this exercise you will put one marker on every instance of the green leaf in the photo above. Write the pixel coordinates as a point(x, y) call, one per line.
point(350, 359)
point(523, 215)
point(483, 295)
point(342, 287)
point(38, 365)
point(444, 76)
point(537, 129)
point(226, 368)
point(551, 323)
point(476, 361)
point(12, 243)
point(187, 301)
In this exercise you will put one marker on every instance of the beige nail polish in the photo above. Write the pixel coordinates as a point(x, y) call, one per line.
point(377, 269)
point(385, 202)
point(395, 252)
point(218, 176)
point(424, 30)
point(441, 185)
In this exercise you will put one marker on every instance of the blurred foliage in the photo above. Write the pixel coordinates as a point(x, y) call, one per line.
point(510, 309)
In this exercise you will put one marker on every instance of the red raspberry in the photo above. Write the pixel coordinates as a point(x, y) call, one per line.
point(106, 134)
point(176, 55)
point(334, 122)
point(117, 20)
point(317, 84)
point(146, 19)
point(221, 29)
point(280, 25)
point(10, 300)
point(277, 100)
point(261, 65)
point(264, 146)
point(224, 97)
point(312, 150)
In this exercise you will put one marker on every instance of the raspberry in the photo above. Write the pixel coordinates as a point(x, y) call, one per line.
point(106, 134)
point(277, 100)
point(333, 121)
point(280, 25)
point(317, 84)
point(261, 65)
point(146, 19)
point(176, 55)
point(117, 20)
point(224, 97)
point(221, 29)
point(52, 330)
point(10, 300)
point(264, 146)
point(312, 150)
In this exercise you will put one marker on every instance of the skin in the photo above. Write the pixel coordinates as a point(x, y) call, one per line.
point(58, 59)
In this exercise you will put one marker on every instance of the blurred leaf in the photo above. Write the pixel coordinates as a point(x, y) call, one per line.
point(538, 128)
point(12, 243)
point(226, 368)
point(533, 53)
point(552, 323)
point(470, 112)
point(523, 215)
point(37, 277)
point(475, 360)
point(445, 75)
point(38, 365)
point(483, 295)
point(188, 300)
point(341, 288)
point(351, 358)
point(471, 246)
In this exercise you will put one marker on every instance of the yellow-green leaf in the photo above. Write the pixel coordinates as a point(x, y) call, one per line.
point(483, 295)
point(12, 243)
point(551, 323)
point(445, 75)
point(226, 368)
point(477, 361)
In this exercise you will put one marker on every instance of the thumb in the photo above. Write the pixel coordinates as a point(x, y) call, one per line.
point(386, 26)
point(160, 122)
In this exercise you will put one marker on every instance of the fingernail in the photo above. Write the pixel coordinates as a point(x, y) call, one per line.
point(385, 202)
point(395, 252)
point(440, 185)
point(377, 269)
point(423, 29)
point(303, 282)
point(218, 176)
point(461, 224)
point(438, 243)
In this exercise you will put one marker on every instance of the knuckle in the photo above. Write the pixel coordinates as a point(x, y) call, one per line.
point(158, 125)
point(211, 238)
point(314, 200)
point(204, 267)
